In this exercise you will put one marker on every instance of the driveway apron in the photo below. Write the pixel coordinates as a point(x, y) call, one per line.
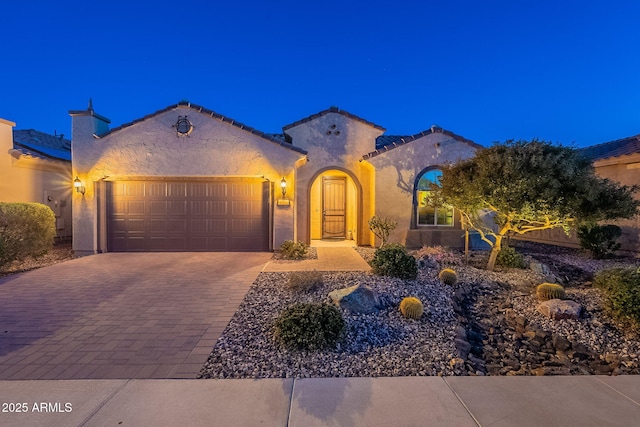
point(121, 315)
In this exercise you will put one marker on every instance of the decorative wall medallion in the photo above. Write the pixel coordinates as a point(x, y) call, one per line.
point(183, 126)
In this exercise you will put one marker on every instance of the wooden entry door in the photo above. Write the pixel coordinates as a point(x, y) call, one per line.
point(334, 205)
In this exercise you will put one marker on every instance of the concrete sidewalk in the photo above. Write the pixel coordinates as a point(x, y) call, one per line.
point(407, 401)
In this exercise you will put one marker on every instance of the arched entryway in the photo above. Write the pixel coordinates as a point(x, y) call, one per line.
point(334, 197)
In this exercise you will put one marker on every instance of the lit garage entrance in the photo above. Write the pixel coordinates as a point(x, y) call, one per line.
point(180, 215)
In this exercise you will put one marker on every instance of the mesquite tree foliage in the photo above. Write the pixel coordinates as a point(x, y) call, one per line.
point(529, 185)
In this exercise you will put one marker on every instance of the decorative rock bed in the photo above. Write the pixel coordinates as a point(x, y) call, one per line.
point(487, 324)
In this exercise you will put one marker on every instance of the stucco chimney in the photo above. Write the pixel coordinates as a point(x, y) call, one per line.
point(86, 123)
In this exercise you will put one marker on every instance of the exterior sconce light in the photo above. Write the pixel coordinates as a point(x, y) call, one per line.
point(283, 185)
point(77, 184)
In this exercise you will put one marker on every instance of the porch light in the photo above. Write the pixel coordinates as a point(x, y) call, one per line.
point(283, 184)
point(77, 184)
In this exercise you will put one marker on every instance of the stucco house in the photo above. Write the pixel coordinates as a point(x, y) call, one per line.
point(36, 167)
point(186, 178)
point(618, 161)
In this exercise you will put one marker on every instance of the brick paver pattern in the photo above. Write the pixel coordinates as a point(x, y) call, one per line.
point(121, 315)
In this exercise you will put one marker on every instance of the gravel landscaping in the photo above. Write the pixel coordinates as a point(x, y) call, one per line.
point(485, 325)
point(59, 253)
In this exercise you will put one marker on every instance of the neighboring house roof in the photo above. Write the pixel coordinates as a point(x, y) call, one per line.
point(333, 110)
point(269, 137)
point(41, 145)
point(385, 143)
point(617, 148)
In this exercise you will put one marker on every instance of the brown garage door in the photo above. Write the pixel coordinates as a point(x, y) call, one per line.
point(217, 215)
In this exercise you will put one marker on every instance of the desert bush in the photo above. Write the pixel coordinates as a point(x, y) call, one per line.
point(382, 227)
point(293, 250)
point(411, 308)
point(448, 276)
point(441, 255)
point(26, 229)
point(600, 240)
point(508, 257)
point(304, 280)
point(393, 260)
point(547, 291)
point(622, 292)
point(309, 326)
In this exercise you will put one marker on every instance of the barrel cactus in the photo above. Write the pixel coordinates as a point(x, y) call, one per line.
point(547, 291)
point(448, 277)
point(411, 308)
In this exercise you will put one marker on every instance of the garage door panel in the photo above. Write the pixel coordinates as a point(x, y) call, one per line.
point(177, 207)
point(198, 189)
point(156, 189)
point(199, 207)
point(177, 225)
point(133, 189)
point(218, 189)
point(158, 225)
point(135, 244)
point(199, 226)
point(187, 216)
point(157, 207)
point(177, 189)
point(218, 208)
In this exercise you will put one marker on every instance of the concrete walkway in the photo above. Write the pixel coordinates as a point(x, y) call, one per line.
point(329, 259)
point(346, 402)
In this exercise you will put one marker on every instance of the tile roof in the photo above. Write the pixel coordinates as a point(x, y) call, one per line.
point(333, 110)
point(385, 143)
point(275, 138)
point(42, 145)
point(619, 147)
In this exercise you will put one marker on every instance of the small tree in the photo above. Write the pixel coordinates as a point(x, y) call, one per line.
point(528, 186)
point(382, 227)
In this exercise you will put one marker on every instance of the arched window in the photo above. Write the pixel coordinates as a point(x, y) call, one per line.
point(429, 215)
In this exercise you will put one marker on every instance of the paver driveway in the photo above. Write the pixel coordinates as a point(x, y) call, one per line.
point(121, 315)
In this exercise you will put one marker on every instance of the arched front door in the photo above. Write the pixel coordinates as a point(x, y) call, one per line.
point(334, 206)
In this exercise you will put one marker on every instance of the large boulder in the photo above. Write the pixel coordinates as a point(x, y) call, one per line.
point(357, 299)
point(560, 309)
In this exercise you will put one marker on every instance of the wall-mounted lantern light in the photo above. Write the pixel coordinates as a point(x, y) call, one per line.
point(283, 185)
point(77, 184)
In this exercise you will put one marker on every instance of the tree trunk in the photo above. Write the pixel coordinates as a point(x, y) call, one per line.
point(494, 252)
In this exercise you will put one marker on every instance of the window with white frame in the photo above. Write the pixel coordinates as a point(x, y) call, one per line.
point(426, 214)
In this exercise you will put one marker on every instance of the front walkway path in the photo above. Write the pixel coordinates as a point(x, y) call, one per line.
point(329, 259)
point(121, 315)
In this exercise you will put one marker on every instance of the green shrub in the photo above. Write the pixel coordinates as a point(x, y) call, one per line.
point(600, 240)
point(622, 290)
point(547, 291)
point(393, 260)
point(309, 326)
point(508, 257)
point(304, 280)
point(448, 276)
point(26, 229)
point(411, 308)
point(293, 250)
point(382, 227)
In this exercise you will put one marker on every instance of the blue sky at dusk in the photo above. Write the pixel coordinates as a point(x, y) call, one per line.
point(561, 71)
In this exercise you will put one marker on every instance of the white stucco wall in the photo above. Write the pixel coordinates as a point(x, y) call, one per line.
point(334, 142)
point(29, 179)
point(398, 168)
point(151, 148)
